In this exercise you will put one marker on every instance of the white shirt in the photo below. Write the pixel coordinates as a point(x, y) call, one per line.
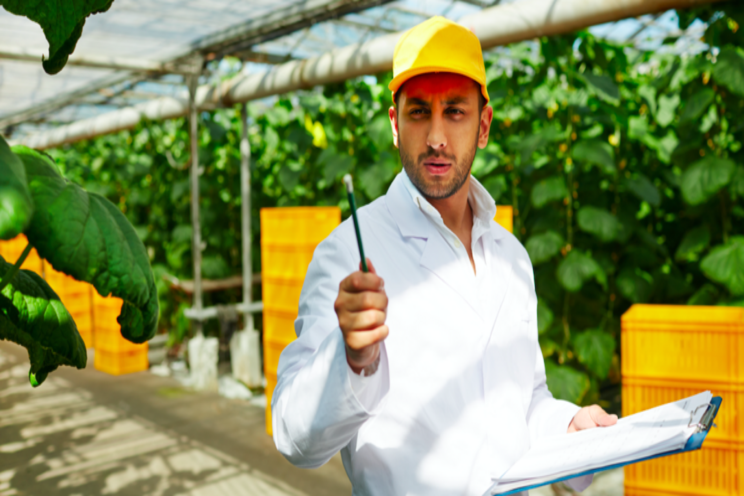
point(460, 391)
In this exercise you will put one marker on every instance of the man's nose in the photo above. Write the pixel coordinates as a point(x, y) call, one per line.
point(436, 140)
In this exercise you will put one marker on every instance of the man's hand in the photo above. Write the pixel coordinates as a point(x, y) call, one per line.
point(590, 417)
point(361, 307)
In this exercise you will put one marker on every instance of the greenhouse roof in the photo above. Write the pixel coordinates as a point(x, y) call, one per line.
point(139, 51)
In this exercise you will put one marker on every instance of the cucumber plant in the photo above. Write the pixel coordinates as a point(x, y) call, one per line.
point(79, 233)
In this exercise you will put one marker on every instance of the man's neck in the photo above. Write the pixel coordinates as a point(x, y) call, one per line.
point(455, 210)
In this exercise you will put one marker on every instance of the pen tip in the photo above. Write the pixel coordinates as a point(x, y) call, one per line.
point(348, 183)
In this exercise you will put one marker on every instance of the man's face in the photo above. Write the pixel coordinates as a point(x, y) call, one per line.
point(437, 126)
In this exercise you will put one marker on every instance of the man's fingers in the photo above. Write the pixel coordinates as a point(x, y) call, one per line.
point(361, 339)
point(364, 321)
point(359, 281)
point(368, 300)
point(370, 266)
point(600, 417)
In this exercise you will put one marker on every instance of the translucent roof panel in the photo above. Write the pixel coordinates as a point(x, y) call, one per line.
point(161, 31)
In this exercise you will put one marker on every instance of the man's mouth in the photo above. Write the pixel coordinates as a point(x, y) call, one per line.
point(437, 166)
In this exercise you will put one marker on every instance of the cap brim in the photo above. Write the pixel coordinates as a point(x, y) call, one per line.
point(404, 76)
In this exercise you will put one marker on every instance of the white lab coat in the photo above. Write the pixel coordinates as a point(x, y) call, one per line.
point(458, 398)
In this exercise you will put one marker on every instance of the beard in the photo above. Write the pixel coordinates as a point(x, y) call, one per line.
point(437, 189)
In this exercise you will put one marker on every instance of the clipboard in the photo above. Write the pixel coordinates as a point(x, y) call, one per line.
point(695, 442)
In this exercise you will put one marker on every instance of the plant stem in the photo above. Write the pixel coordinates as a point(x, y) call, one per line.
point(16, 267)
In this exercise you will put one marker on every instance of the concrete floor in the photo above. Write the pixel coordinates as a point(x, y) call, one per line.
point(85, 433)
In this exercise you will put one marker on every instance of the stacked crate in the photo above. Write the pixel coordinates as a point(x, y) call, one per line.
point(505, 217)
point(672, 352)
point(114, 354)
point(11, 250)
point(77, 299)
point(288, 239)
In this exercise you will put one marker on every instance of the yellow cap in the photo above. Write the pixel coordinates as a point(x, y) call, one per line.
point(438, 45)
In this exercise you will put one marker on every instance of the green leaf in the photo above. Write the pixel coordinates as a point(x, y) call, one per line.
point(544, 316)
point(644, 189)
point(707, 295)
point(648, 93)
point(667, 109)
point(637, 126)
point(725, 264)
point(32, 316)
point(566, 383)
point(334, 164)
point(16, 207)
point(737, 182)
point(549, 190)
point(635, 285)
point(85, 236)
point(696, 105)
point(496, 186)
point(598, 222)
point(380, 132)
point(663, 146)
point(729, 70)
point(374, 179)
point(604, 87)
point(694, 242)
point(542, 247)
point(577, 268)
point(595, 152)
point(62, 23)
point(594, 349)
point(704, 178)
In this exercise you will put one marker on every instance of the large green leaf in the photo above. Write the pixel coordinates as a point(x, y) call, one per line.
point(604, 87)
point(61, 21)
point(542, 247)
point(598, 222)
point(729, 70)
point(595, 152)
point(594, 349)
point(566, 383)
point(704, 178)
point(634, 284)
point(32, 315)
point(16, 207)
point(725, 264)
point(696, 105)
point(643, 188)
point(84, 235)
point(667, 109)
point(694, 242)
point(544, 316)
point(549, 190)
point(577, 268)
point(737, 182)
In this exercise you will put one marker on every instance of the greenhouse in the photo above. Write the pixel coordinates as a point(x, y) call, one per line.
point(166, 178)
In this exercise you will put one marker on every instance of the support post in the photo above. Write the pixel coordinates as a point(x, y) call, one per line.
point(245, 213)
point(196, 242)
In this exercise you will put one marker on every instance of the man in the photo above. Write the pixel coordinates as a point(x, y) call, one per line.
point(425, 372)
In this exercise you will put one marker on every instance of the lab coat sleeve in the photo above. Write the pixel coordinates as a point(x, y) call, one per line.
point(548, 416)
point(316, 408)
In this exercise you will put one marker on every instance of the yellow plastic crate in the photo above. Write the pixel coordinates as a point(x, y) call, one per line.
point(123, 362)
point(107, 333)
point(505, 217)
point(641, 394)
point(289, 237)
point(11, 250)
point(715, 470)
point(292, 226)
point(684, 342)
point(77, 298)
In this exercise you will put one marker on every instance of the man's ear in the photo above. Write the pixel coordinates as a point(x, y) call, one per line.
point(486, 117)
point(394, 123)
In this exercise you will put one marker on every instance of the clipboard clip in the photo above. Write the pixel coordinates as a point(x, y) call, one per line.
point(706, 421)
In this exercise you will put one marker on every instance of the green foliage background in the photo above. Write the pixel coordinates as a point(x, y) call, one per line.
point(624, 168)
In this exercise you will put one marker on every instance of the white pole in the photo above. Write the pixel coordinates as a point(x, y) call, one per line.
point(196, 242)
point(500, 25)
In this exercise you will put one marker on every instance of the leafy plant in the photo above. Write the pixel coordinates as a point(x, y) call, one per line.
point(79, 233)
point(62, 23)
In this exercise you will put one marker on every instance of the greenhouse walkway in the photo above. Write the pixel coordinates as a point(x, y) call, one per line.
point(85, 433)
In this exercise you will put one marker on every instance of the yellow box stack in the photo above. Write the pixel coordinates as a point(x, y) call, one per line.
point(670, 352)
point(114, 354)
point(505, 217)
point(288, 239)
point(77, 297)
point(11, 250)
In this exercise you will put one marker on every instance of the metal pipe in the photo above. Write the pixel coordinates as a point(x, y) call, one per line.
point(245, 213)
point(196, 242)
point(500, 25)
point(197, 316)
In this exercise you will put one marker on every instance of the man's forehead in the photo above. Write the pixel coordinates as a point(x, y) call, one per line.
point(440, 85)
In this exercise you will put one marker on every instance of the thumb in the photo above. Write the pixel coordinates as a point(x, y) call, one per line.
point(369, 266)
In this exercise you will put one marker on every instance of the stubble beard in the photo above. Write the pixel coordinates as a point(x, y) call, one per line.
point(437, 190)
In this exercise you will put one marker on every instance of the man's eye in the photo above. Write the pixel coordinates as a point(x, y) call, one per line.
point(418, 111)
point(455, 111)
